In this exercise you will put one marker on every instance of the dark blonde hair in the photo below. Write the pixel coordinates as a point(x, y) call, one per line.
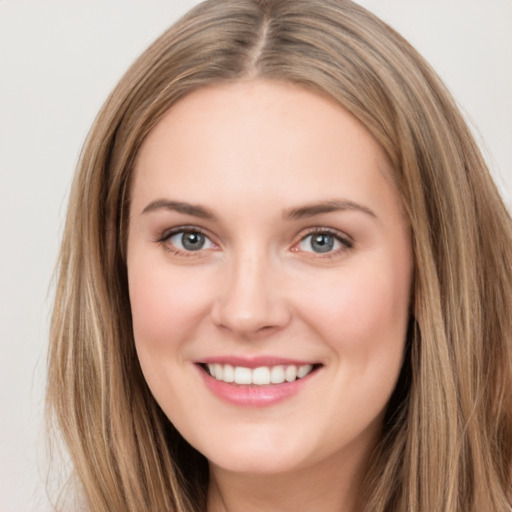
point(447, 439)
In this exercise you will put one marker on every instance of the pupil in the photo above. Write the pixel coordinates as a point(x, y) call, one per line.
point(322, 243)
point(192, 241)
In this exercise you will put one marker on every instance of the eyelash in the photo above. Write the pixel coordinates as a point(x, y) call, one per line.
point(168, 234)
point(346, 242)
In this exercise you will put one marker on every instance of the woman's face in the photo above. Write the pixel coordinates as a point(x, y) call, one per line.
point(267, 245)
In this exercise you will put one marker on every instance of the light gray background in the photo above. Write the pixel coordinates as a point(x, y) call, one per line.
point(58, 62)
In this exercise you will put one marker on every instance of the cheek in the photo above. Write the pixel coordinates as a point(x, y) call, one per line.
point(166, 305)
point(167, 310)
point(363, 317)
point(362, 312)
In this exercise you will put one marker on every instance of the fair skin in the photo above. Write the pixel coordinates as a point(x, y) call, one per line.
point(265, 232)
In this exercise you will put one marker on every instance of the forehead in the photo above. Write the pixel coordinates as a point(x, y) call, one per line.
point(260, 137)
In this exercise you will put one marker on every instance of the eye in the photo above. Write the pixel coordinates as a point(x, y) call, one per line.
point(189, 240)
point(322, 242)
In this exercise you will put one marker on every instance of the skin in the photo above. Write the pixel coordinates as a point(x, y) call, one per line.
point(248, 153)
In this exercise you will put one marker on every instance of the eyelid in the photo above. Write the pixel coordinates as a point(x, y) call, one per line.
point(168, 233)
point(346, 241)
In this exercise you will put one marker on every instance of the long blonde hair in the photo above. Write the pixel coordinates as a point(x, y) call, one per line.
point(447, 439)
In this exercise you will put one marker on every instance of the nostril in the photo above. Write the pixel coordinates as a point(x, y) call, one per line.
point(250, 305)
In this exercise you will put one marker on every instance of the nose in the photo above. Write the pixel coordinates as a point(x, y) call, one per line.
point(251, 301)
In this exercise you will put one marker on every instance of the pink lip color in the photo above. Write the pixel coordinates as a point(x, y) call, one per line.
point(253, 362)
point(253, 395)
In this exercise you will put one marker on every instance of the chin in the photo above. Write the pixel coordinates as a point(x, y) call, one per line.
point(258, 456)
point(257, 464)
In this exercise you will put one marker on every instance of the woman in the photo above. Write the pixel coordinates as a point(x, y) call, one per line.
point(285, 278)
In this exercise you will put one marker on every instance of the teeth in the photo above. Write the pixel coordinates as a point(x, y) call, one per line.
point(260, 376)
point(229, 373)
point(219, 371)
point(277, 375)
point(290, 374)
point(303, 370)
point(243, 375)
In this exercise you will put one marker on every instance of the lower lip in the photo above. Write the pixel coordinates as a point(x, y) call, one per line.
point(252, 395)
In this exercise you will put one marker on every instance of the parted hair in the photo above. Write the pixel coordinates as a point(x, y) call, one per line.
point(446, 444)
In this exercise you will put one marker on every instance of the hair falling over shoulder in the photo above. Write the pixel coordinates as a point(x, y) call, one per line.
point(447, 439)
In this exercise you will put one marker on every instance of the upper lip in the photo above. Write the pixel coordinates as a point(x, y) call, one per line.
point(255, 361)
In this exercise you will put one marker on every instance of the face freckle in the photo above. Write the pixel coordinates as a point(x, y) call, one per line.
point(265, 234)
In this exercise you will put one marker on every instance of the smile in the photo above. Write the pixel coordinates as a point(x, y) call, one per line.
point(261, 376)
point(256, 382)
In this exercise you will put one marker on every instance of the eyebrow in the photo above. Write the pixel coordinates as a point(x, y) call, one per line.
point(300, 212)
point(333, 205)
point(180, 207)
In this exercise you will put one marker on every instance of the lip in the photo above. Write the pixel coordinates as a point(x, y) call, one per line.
point(255, 361)
point(254, 395)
